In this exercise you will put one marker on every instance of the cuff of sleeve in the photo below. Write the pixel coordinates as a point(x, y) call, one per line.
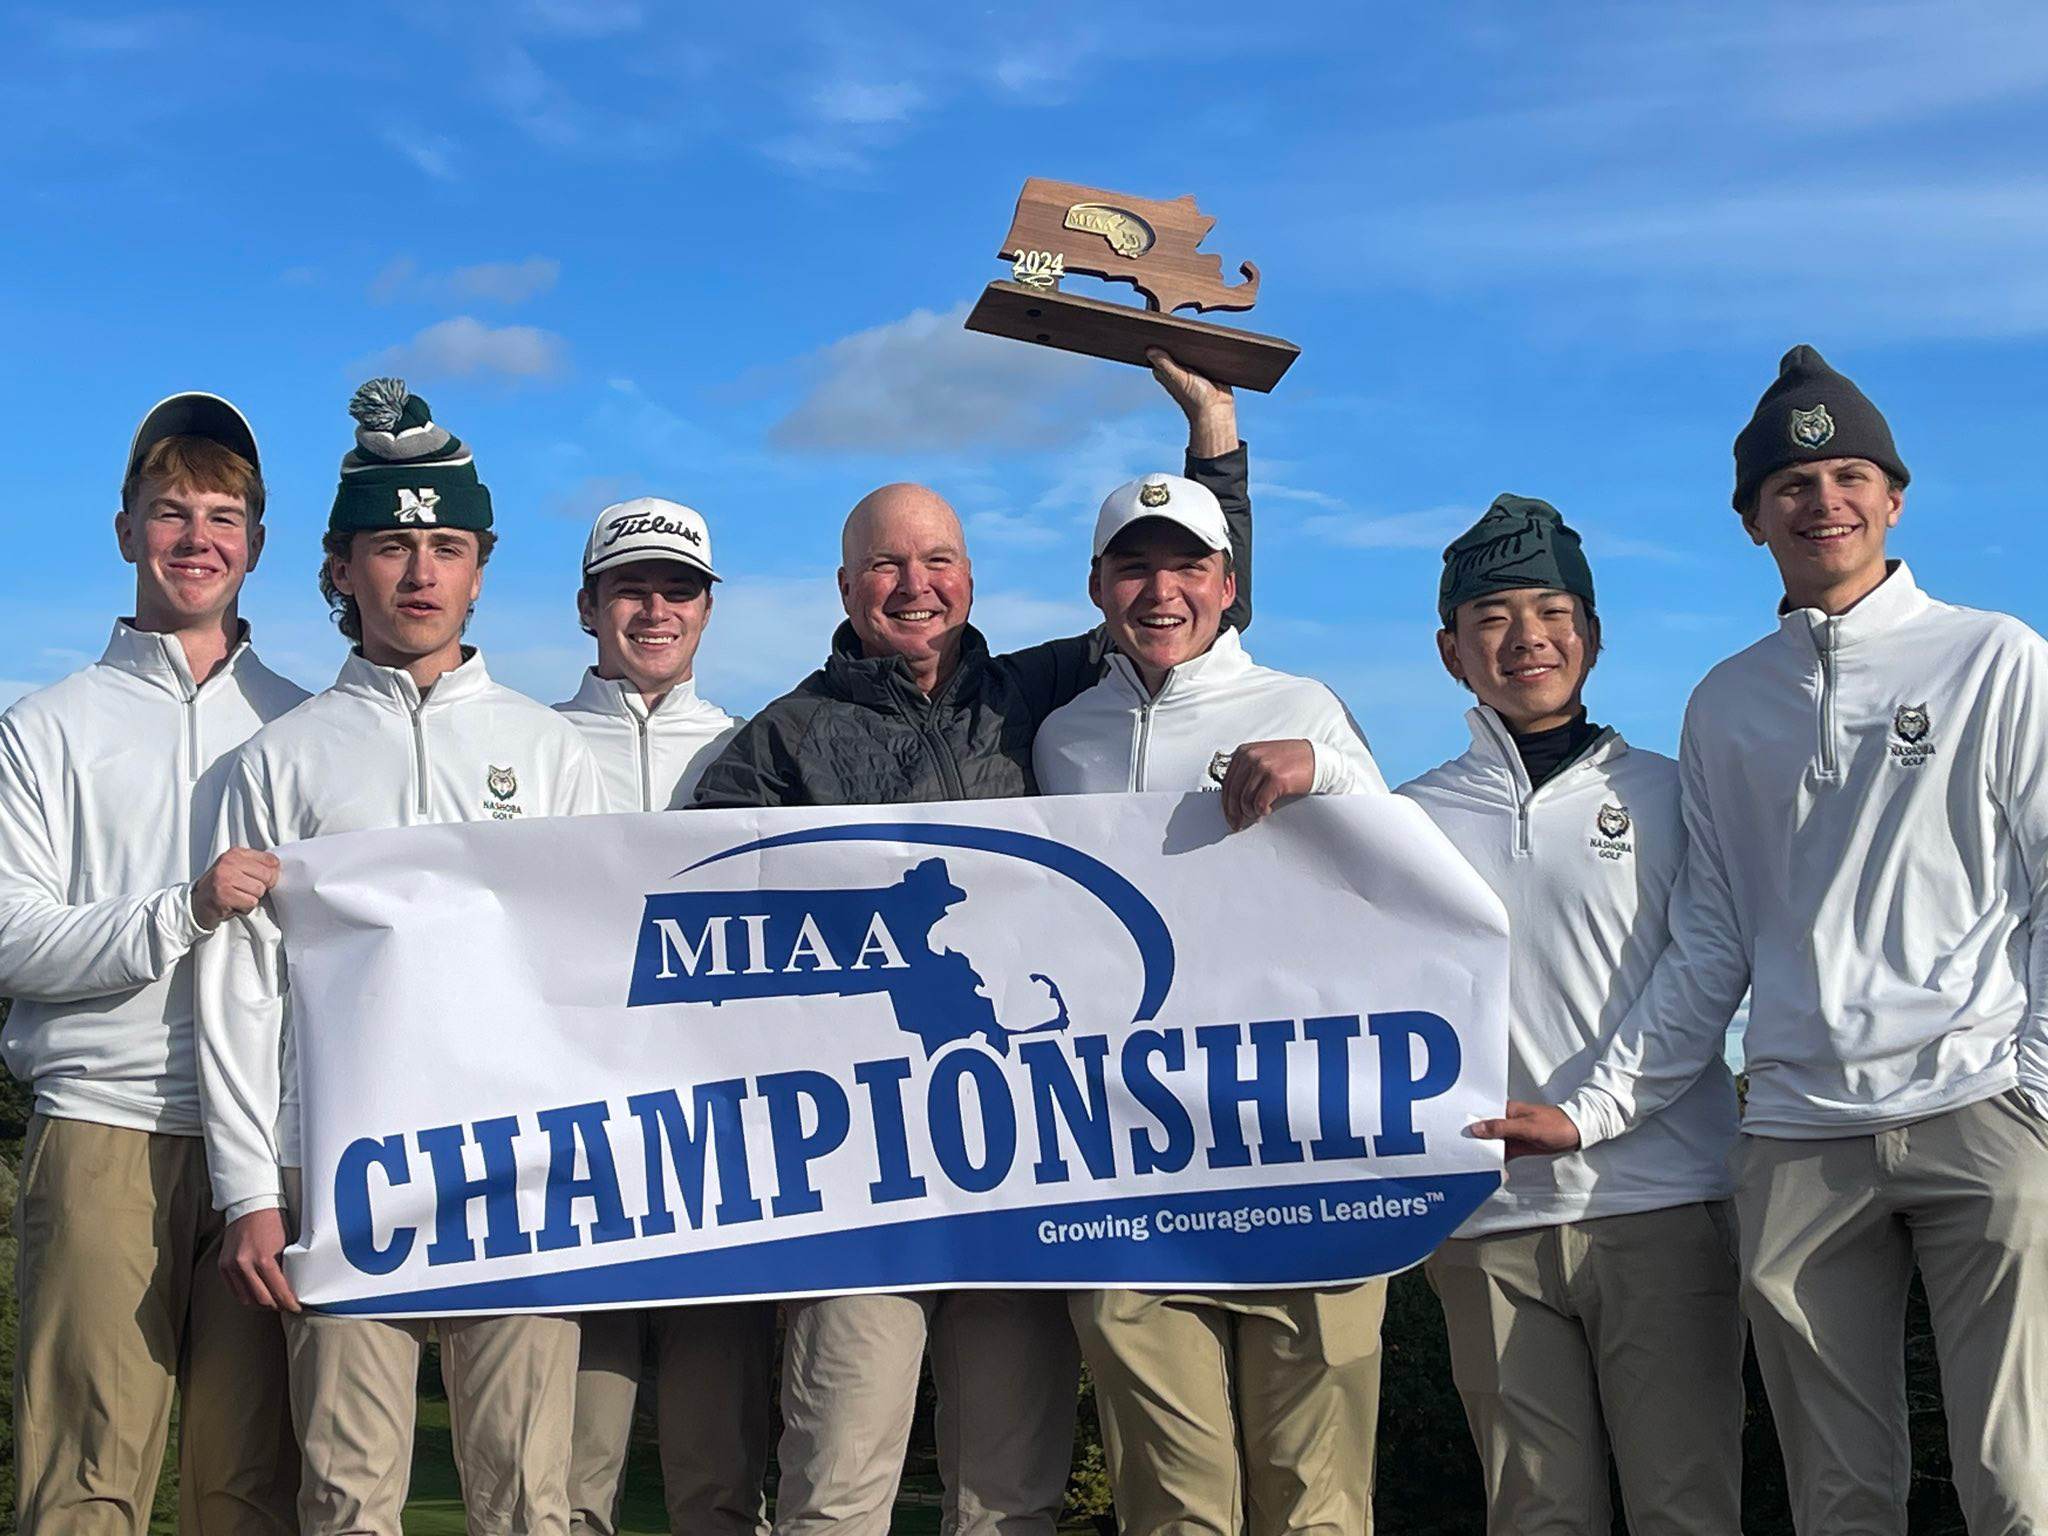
point(1329, 769)
point(254, 1203)
point(1233, 462)
point(176, 925)
point(1596, 1114)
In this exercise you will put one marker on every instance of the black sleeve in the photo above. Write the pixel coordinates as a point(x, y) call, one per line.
point(1054, 673)
point(758, 766)
point(1227, 476)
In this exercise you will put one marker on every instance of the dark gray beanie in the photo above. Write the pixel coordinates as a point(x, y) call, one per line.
point(1520, 542)
point(1810, 412)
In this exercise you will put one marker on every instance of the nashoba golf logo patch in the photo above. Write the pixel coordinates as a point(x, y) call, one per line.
point(1610, 837)
point(1912, 727)
point(500, 785)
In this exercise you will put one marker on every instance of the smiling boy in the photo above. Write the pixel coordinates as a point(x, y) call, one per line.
point(646, 599)
point(413, 732)
point(1866, 803)
point(1591, 1302)
point(110, 782)
point(1222, 1411)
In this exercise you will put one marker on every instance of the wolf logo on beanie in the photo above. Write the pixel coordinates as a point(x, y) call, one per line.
point(1812, 429)
point(1810, 412)
point(405, 470)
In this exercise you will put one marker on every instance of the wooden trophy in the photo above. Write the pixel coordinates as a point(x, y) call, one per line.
point(1062, 228)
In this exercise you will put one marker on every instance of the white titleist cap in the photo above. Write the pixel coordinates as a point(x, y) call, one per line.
point(1180, 501)
point(648, 528)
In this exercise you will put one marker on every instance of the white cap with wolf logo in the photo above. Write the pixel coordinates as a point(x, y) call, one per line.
point(648, 528)
point(1178, 500)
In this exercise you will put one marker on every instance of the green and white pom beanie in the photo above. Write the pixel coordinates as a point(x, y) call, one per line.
point(405, 471)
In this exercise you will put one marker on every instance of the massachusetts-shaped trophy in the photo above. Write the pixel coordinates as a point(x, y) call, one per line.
point(1062, 229)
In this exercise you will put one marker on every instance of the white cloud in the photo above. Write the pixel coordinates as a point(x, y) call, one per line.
point(432, 154)
point(1032, 72)
point(497, 282)
point(766, 634)
point(1012, 620)
point(1951, 259)
point(465, 345)
point(506, 282)
point(925, 383)
point(624, 413)
point(1431, 529)
point(1269, 490)
point(527, 94)
point(391, 281)
point(815, 154)
point(863, 102)
point(1013, 529)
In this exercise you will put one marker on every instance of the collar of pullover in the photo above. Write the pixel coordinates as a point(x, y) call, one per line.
point(879, 680)
point(1224, 659)
point(160, 659)
point(617, 696)
point(394, 685)
point(1492, 739)
point(1891, 603)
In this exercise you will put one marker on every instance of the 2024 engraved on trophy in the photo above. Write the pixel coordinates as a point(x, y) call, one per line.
point(1061, 228)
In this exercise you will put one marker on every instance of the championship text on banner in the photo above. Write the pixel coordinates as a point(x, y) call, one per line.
point(1082, 1041)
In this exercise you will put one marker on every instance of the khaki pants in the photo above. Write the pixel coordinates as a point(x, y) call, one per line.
point(1831, 1231)
point(511, 1393)
point(1620, 1331)
point(712, 1374)
point(1006, 1370)
point(1249, 1411)
point(121, 1302)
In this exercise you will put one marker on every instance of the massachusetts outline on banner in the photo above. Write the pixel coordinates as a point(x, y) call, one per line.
point(1094, 1040)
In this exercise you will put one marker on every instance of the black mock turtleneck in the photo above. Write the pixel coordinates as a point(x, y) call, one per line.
point(1544, 752)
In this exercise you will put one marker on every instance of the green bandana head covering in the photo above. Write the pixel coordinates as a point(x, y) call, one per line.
point(1520, 542)
point(405, 471)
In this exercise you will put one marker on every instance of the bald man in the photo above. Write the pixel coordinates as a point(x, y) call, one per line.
point(912, 707)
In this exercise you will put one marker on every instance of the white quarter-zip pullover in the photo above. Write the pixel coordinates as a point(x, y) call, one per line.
point(1866, 807)
point(1585, 863)
point(110, 785)
point(650, 758)
point(1115, 736)
point(366, 754)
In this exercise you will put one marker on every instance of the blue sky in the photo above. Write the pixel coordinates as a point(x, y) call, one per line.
point(721, 253)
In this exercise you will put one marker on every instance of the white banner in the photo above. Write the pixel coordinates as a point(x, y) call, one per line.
point(1071, 1041)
